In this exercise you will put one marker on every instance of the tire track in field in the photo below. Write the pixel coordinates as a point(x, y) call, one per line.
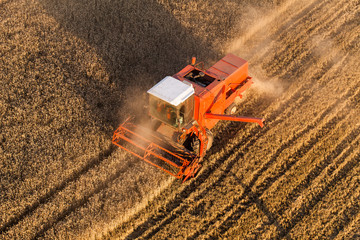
point(267, 183)
point(78, 203)
point(287, 57)
point(261, 205)
point(258, 26)
point(239, 211)
point(294, 36)
point(352, 211)
point(303, 132)
point(246, 200)
point(295, 20)
point(239, 153)
point(306, 59)
point(173, 208)
point(344, 217)
point(320, 167)
point(350, 228)
point(181, 200)
point(350, 137)
point(52, 192)
point(316, 198)
point(142, 228)
point(335, 119)
point(325, 130)
point(201, 178)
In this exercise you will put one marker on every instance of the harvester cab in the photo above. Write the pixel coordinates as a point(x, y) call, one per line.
point(172, 102)
point(183, 109)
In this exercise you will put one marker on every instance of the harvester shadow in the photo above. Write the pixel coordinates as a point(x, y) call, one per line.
point(205, 173)
point(93, 162)
point(134, 39)
point(269, 181)
point(127, 49)
point(264, 186)
point(272, 218)
point(174, 204)
point(246, 143)
point(78, 203)
point(140, 43)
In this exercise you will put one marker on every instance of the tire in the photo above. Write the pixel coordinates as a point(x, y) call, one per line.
point(231, 110)
point(195, 145)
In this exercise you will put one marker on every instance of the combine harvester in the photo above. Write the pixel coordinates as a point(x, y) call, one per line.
point(182, 110)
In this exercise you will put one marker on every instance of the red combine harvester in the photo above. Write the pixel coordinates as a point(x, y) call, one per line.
point(182, 110)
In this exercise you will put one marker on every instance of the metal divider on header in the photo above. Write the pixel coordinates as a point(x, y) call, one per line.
point(173, 161)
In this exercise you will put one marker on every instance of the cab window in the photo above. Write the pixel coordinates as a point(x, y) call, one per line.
point(163, 111)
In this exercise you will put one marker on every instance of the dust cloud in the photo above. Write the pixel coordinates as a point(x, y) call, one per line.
point(325, 48)
point(255, 40)
point(257, 20)
point(271, 88)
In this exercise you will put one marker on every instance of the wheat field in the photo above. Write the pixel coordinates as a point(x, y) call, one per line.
point(72, 71)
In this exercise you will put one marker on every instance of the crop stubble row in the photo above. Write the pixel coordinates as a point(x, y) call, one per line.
point(161, 226)
point(150, 234)
point(217, 179)
point(38, 204)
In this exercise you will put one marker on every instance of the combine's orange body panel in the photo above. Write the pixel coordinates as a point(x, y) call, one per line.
point(230, 80)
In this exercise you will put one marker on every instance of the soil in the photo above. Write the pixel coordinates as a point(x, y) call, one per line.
point(72, 71)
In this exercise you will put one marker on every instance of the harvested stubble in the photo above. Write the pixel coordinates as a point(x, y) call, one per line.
point(71, 70)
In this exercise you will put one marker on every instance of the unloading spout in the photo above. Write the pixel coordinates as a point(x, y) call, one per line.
point(259, 121)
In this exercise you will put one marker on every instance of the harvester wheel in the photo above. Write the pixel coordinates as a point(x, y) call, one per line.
point(210, 136)
point(231, 110)
point(195, 145)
